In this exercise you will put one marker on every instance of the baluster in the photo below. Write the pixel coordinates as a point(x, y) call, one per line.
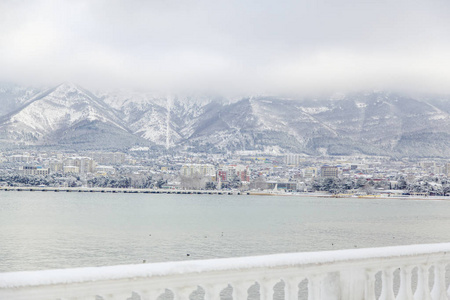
point(212, 292)
point(448, 291)
point(240, 290)
point(291, 288)
point(333, 288)
point(314, 285)
point(387, 289)
point(369, 287)
point(405, 291)
point(266, 289)
point(423, 290)
point(438, 292)
point(135, 293)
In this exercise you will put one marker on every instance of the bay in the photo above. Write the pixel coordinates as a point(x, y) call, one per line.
point(47, 230)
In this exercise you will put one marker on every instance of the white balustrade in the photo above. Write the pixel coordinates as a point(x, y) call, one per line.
point(343, 274)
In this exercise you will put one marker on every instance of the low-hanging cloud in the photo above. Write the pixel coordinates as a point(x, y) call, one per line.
point(240, 46)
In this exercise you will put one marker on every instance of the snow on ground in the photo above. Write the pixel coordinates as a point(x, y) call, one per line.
point(64, 276)
point(315, 110)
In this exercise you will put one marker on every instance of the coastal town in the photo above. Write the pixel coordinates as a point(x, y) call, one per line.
point(243, 171)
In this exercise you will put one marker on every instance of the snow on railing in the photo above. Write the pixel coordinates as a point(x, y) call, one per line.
point(403, 272)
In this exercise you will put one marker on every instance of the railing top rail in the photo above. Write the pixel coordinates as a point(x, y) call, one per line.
point(63, 276)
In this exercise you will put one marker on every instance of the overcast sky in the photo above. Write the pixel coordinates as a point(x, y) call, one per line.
point(247, 46)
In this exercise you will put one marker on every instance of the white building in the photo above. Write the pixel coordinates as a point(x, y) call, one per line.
point(30, 170)
point(105, 169)
point(71, 169)
point(84, 164)
point(228, 172)
point(310, 172)
point(205, 170)
point(294, 159)
point(20, 158)
point(329, 171)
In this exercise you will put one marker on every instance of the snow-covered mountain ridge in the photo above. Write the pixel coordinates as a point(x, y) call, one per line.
point(66, 114)
point(369, 123)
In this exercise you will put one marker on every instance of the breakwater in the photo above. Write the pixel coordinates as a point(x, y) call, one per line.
point(119, 190)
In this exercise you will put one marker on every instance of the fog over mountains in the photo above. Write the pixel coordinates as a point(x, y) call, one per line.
point(71, 117)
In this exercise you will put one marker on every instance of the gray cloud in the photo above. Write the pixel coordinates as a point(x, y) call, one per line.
point(243, 46)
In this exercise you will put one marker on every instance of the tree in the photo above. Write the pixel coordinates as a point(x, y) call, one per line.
point(259, 183)
point(234, 182)
point(367, 189)
point(210, 185)
point(160, 183)
point(195, 181)
point(446, 190)
point(402, 184)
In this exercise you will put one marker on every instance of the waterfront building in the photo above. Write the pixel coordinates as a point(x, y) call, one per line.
point(229, 172)
point(31, 170)
point(189, 170)
point(329, 172)
point(84, 164)
point(282, 185)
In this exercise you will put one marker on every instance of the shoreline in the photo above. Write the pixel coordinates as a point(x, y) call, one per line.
point(349, 196)
point(210, 192)
point(117, 190)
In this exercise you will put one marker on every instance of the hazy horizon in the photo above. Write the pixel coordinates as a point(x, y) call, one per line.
point(256, 47)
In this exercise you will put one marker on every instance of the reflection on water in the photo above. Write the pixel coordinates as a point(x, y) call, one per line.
point(58, 230)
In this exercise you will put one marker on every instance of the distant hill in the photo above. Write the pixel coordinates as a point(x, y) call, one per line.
point(377, 123)
point(66, 115)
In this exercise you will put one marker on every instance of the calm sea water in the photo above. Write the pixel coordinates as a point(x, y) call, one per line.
point(41, 230)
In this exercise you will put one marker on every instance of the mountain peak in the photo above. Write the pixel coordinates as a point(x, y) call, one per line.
point(68, 87)
point(67, 92)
